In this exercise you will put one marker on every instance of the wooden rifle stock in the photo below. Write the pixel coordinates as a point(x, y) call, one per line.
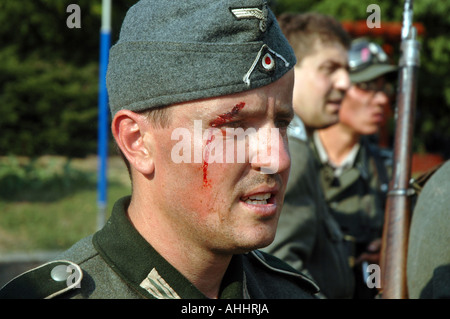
point(398, 205)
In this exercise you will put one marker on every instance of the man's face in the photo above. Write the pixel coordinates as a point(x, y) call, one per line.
point(321, 79)
point(363, 110)
point(208, 193)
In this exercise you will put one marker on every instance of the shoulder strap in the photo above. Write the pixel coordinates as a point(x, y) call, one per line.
point(381, 158)
point(44, 282)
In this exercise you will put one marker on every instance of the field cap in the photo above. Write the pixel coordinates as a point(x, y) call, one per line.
point(176, 51)
point(367, 61)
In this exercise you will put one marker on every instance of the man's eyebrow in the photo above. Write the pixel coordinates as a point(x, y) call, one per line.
point(334, 63)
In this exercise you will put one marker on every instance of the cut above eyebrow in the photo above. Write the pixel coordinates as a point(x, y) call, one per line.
point(238, 112)
point(228, 116)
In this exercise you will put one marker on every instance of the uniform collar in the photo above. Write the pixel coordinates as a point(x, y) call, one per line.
point(145, 270)
point(296, 129)
point(346, 164)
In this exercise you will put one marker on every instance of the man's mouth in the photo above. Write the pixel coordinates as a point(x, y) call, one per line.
point(257, 199)
point(335, 102)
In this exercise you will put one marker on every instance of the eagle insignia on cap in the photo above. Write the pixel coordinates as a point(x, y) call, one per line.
point(253, 13)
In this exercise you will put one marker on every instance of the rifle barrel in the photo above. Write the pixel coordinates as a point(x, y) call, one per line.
point(398, 204)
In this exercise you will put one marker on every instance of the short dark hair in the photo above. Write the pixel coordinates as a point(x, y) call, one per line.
point(302, 30)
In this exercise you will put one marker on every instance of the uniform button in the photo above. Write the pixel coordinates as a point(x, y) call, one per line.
point(60, 273)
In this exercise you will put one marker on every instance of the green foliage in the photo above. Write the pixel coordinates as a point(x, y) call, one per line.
point(341, 9)
point(41, 180)
point(49, 76)
point(47, 108)
point(50, 202)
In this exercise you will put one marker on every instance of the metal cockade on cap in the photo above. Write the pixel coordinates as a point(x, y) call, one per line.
point(267, 62)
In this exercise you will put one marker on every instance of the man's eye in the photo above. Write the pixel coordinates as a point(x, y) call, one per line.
point(328, 68)
point(236, 124)
point(225, 124)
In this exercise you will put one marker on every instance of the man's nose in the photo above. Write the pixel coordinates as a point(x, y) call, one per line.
point(381, 98)
point(271, 154)
point(343, 82)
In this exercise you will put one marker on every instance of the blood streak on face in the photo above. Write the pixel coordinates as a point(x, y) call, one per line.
point(205, 160)
point(220, 120)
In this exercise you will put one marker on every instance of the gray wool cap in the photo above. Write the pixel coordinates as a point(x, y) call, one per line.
point(176, 51)
point(368, 61)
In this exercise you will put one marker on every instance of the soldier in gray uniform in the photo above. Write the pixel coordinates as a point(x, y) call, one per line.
point(354, 170)
point(428, 262)
point(308, 237)
point(183, 78)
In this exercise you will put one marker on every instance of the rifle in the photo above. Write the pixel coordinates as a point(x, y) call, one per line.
point(398, 204)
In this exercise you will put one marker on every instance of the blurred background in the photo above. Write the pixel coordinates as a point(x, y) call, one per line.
point(49, 108)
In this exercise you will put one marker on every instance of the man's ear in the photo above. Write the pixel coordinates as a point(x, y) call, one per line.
point(131, 132)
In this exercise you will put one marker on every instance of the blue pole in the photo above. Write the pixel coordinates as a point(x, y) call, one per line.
point(103, 113)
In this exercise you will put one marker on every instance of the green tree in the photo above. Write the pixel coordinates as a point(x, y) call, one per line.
point(49, 76)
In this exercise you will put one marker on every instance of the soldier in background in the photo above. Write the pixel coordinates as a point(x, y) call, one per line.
point(308, 238)
point(354, 171)
point(428, 262)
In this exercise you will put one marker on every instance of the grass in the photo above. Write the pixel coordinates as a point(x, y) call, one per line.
point(50, 202)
